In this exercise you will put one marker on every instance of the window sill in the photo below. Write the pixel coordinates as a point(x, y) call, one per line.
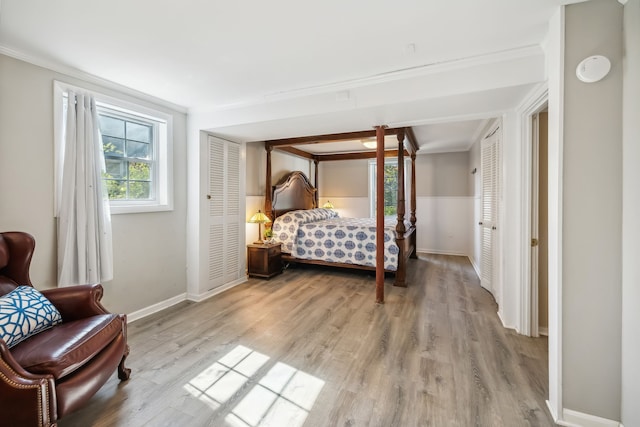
point(132, 209)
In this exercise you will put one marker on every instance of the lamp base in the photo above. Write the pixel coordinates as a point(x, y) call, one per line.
point(259, 242)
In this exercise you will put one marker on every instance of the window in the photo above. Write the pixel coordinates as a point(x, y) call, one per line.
point(390, 187)
point(128, 144)
point(137, 150)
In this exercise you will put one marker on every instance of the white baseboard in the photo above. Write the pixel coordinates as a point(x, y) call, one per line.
point(505, 325)
point(475, 266)
point(147, 311)
point(215, 291)
point(543, 331)
point(439, 252)
point(572, 418)
point(551, 411)
point(139, 314)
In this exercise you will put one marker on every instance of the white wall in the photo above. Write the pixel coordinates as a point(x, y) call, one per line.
point(592, 214)
point(510, 213)
point(141, 242)
point(631, 217)
point(444, 225)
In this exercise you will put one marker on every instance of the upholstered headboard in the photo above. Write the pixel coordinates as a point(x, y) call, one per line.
point(293, 192)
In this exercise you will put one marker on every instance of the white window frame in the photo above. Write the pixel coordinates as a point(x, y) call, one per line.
point(372, 183)
point(162, 183)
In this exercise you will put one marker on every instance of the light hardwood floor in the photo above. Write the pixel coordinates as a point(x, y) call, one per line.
point(310, 347)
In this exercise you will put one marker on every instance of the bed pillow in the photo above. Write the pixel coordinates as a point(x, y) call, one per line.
point(322, 213)
point(25, 312)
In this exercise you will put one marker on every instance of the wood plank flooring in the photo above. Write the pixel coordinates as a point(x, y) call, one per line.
point(310, 347)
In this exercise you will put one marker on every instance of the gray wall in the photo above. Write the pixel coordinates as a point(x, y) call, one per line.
point(141, 242)
point(443, 175)
point(437, 175)
point(631, 217)
point(592, 213)
point(344, 178)
point(281, 164)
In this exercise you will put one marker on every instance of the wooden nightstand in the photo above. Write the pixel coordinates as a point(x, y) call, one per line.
point(264, 260)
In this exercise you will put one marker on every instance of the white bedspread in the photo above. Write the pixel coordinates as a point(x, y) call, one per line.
point(319, 234)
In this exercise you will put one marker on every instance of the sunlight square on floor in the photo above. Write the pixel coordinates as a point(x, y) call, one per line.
point(281, 396)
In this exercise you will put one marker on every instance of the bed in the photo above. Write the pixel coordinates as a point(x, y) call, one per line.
point(318, 236)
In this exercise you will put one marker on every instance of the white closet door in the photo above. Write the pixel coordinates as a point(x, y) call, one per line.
point(489, 222)
point(232, 220)
point(224, 246)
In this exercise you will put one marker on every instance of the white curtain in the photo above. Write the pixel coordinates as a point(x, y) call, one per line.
point(85, 253)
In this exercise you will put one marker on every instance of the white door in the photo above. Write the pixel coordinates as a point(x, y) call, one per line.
point(225, 250)
point(489, 216)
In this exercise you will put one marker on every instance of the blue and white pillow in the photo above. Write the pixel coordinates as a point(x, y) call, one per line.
point(25, 312)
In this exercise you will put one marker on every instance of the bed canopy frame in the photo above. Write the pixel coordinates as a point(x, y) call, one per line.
point(295, 191)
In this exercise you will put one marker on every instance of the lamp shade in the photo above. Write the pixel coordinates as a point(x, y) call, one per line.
point(259, 217)
point(328, 205)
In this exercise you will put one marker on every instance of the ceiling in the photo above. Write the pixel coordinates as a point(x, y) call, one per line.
point(264, 70)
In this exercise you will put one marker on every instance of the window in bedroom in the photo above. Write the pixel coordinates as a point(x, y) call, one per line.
point(390, 187)
point(129, 144)
point(137, 150)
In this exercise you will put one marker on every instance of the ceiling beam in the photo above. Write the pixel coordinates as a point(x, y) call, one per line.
point(356, 156)
point(319, 139)
point(413, 142)
point(297, 152)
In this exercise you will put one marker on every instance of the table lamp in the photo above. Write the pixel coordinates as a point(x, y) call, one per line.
point(259, 218)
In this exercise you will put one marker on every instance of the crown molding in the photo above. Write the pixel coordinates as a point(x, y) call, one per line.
point(479, 130)
point(407, 73)
point(392, 76)
point(87, 77)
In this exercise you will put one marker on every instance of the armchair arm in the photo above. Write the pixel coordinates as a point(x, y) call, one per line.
point(21, 247)
point(77, 302)
point(27, 399)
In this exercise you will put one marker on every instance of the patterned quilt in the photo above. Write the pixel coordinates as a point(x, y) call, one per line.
point(319, 234)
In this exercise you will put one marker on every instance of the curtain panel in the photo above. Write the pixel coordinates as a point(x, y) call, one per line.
point(85, 253)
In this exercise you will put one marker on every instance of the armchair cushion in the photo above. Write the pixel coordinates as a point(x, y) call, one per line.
point(25, 312)
point(67, 347)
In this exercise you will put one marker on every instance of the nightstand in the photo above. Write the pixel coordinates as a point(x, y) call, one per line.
point(264, 260)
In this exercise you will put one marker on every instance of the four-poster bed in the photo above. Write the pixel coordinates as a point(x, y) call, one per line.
point(295, 192)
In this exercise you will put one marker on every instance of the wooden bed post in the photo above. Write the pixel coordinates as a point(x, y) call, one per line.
point(401, 272)
point(413, 189)
point(315, 162)
point(268, 210)
point(380, 214)
point(413, 204)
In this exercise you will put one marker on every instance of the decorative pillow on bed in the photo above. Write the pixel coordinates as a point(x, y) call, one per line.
point(321, 213)
point(25, 312)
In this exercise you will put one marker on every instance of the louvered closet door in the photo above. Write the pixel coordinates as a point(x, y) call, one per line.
point(490, 194)
point(224, 246)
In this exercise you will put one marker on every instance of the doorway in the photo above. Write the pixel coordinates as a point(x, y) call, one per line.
point(539, 225)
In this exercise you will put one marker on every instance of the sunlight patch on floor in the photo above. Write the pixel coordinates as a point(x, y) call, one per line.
point(282, 396)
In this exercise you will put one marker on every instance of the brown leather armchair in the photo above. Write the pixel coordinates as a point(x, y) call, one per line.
point(58, 370)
